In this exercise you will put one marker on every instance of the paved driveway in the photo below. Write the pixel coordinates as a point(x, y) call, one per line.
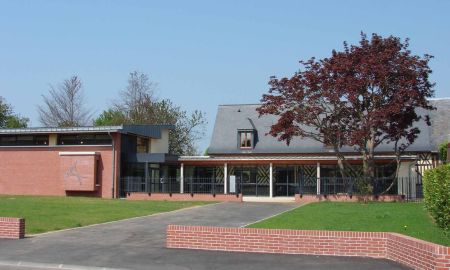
point(140, 244)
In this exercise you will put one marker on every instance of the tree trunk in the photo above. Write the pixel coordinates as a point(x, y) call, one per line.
point(366, 184)
point(340, 160)
point(398, 154)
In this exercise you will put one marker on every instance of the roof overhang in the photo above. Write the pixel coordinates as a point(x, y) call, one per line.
point(152, 131)
point(284, 158)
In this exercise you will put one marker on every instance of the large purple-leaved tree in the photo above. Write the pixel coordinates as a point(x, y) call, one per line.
point(360, 97)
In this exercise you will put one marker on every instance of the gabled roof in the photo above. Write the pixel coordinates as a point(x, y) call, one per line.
point(153, 131)
point(231, 118)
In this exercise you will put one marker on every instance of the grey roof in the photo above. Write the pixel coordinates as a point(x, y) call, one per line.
point(231, 118)
point(153, 131)
point(440, 121)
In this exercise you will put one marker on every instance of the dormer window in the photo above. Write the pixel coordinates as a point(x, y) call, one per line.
point(246, 139)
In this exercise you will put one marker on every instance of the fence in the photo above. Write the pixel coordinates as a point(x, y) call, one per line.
point(409, 187)
point(150, 185)
point(203, 185)
point(171, 185)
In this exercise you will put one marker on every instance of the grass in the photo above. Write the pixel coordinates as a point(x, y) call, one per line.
point(405, 218)
point(43, 214)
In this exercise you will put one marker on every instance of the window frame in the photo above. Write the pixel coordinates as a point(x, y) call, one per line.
point(146, 144)
point(246, 139)
point(19, 140)
point(83, 139)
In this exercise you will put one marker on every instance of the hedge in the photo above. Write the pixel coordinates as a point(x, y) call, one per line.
point(436, 191)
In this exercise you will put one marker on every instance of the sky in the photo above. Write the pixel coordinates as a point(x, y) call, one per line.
point(199, 53)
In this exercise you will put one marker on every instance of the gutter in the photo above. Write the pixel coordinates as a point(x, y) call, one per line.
point(113, 164)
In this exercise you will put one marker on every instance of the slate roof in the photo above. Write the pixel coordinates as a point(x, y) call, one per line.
point(153, 131)
point(440, 121)
point(231, 118)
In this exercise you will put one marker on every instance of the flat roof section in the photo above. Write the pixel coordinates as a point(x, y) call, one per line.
point(153, 131)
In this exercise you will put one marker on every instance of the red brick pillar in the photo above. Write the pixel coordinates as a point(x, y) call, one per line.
point(12, 228)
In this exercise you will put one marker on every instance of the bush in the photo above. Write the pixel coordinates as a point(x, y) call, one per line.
point(436, 191)
point(443, 151)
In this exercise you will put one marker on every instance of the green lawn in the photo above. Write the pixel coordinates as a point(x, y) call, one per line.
point(44, 214)
point(405, 218)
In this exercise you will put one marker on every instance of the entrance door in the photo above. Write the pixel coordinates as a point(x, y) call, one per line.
point(248, 183)
point(252, 180)
point(285, 180)
point(153, 179)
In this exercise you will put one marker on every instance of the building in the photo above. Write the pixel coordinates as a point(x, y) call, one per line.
point(242, 158)
point(86, 161)
point(133, 161)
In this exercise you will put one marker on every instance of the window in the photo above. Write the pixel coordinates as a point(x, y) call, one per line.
point(84, 139)
point(23, 140)
point(141, 145)
point(246, 139)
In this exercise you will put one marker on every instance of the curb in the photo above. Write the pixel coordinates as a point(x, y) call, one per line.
point(54, 266)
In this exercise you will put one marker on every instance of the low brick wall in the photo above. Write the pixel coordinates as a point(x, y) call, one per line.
point(12, 228)
point(409, 251)
point(417, 253)
point(346, 198)
point(183, 197)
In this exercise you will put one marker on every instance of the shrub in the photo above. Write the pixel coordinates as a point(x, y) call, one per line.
point(443, 151)
point(436, 190)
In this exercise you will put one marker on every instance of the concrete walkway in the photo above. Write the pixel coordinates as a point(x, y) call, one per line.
point(140, 244)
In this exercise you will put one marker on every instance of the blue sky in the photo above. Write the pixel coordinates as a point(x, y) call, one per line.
point(200, 53)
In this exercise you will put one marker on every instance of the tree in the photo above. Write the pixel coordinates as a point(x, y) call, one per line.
point(306, 109)
point(8, 119)
point(16, 121)
point(110, 117)
point(361, 97)
point(65, 105)
point(137, 105)
point(137, 98)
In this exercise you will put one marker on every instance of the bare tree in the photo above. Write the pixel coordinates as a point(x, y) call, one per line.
point(65, 105)
point(138, 105)
point(136, 100)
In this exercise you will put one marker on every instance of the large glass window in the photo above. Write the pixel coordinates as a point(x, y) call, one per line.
point(23, 140)
point(142, 145)
point(246, 139)
point(84, 139)
point(252, 180)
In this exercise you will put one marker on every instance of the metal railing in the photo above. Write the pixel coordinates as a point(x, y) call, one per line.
point(253, 189)
point(203, 185)
point(409, 187)
point(171, 185)
point(150, 185)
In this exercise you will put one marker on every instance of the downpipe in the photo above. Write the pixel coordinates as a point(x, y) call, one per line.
point(113, 164)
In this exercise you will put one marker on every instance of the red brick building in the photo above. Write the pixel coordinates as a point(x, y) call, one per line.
point(77, 161)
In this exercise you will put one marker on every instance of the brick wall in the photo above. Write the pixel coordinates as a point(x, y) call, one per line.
point(346, 198)
point(183, 197)
point(417, 253)
point(36, 170)
point(12, 228)
point(409, 251)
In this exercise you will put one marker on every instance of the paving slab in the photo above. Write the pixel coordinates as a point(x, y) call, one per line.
point(139, 243)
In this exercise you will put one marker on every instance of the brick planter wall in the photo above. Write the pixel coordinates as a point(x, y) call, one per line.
point(12, 228)
point(417, 253)
point(346, 198)
point(183, 197)
point(406, 250)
